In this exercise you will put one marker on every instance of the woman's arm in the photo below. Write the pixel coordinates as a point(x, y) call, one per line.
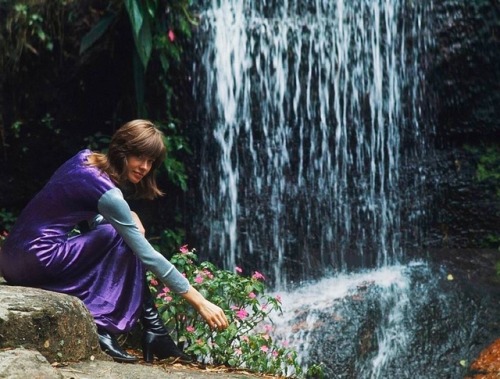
point(116, 210)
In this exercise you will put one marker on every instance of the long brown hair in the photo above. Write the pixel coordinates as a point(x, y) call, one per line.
point(139, 138)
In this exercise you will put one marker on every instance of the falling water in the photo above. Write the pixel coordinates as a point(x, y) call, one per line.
point(314, 124)
point(309, 110)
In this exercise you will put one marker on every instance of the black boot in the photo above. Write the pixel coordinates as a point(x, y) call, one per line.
point(155, 338)
point(110, 346)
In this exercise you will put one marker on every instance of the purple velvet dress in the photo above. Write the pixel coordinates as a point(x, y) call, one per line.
point(104, 266)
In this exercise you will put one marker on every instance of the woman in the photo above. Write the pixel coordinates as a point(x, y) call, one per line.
point(104, 266)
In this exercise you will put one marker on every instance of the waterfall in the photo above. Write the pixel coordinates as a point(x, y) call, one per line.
point(314, 125)
point(309, 112)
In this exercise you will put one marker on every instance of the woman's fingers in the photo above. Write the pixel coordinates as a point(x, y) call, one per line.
point(215, 317)
point(220, 323)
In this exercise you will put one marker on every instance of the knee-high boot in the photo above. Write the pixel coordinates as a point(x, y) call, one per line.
point(156, 340)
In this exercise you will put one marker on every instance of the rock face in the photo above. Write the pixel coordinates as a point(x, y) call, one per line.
point(57, 325)
point(464, 73)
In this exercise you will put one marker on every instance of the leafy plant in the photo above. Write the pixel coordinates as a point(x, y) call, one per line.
point(7, 219)
point(156, 27)
point(175, 144)
point(488, 168)
point(247, 342)
point(488, 172)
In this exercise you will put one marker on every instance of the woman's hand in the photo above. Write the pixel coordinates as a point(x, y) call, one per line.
point(213, 315)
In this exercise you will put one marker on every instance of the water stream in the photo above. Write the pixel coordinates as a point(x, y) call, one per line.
point(314, 125)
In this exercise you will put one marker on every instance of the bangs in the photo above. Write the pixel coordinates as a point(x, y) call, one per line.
point(150, 145)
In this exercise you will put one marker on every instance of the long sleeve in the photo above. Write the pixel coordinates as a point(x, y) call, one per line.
point(113, 207)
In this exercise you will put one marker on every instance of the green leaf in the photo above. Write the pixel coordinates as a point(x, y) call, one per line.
point(96, 32)
point(135, 15)
point(151, 6)
point(144, 43)
point(141, 26)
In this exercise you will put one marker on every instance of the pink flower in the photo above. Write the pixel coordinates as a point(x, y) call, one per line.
point(164, 295)
point(268, 328)
point(190, 328)
point(184, 249)
point(278, 298)
point(264, 348)
point(263, 307)
point(153, 282)
point(198, 279)
point(245, 338)
point(238, 351)
point(242, 314)
point(238, 269)
point(266, 337)
point(257, 275)
point(166, 289)
point(208, 274)
point(275, 354)
point(171, 35)
point(251, 295)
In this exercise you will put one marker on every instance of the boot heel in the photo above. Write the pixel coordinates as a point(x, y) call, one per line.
point(147, 354)
point(148, 347)
point(162, 346)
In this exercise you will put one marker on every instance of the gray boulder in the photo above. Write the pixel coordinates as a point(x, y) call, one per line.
point(56, 325)
point(22, 363)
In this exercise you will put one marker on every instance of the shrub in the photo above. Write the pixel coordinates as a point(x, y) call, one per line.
point(247, 342)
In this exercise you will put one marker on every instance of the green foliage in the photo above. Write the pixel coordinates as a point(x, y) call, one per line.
point(488, 171)
point(98, 142)
point(27, 24)
point(156, 27)
point(7, 219)
point(176, 144)
point(246, 343)
point(168, 241)
point(96, 32)
point(488, 168)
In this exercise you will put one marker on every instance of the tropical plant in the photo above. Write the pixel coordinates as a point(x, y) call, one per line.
point(156, 26)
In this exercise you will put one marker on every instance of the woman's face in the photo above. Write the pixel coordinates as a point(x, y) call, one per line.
point(138, 167)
